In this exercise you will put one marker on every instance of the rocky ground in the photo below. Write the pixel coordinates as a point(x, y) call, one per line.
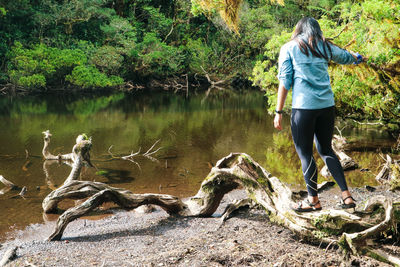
point(156, 239)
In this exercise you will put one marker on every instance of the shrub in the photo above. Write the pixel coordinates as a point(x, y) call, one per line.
point(42, 65)
point(91, 77)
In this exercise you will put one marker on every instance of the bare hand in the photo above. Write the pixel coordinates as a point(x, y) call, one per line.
point(278, 121)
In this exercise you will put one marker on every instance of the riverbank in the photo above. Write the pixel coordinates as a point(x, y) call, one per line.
point(156, 239)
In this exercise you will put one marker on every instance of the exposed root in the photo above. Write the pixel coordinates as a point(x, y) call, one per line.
point(357, 240)
point(237, 170)
point(8, 256)
point(232, 207)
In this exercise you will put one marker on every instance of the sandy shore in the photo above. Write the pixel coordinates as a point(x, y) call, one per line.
point(157, 239)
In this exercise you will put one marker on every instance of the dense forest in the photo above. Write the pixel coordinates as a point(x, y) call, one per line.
point(92, 44)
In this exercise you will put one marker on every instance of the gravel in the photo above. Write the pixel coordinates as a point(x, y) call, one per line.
point(157, 239)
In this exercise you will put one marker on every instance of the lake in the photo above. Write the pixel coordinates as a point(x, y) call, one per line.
point(193, 134)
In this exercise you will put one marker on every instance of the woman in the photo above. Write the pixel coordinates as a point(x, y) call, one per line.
point(303, 66)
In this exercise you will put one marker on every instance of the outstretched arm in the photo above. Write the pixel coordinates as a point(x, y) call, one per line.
point(343, 56)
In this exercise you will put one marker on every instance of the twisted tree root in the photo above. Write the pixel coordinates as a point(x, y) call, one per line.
point(237, 170)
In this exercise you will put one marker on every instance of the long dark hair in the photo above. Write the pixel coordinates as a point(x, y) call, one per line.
point(311, 32)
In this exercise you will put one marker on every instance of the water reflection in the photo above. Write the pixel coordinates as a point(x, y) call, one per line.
point(194, 133)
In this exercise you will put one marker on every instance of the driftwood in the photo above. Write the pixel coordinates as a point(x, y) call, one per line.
point(70, 156)
point(390, 173)
point(148, 154)
point(46, 153)
point(338, 144)
point(9, 185)
point(8, 256)
point(7, 182)
point(213, 84)
point(350, 231)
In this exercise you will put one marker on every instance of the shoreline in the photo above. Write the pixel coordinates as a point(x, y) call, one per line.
point(157, 239)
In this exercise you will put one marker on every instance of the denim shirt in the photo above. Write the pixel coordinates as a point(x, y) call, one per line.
point(308, 75)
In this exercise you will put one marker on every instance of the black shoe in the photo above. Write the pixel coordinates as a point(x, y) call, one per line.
point(343, 204)
point(311, 206)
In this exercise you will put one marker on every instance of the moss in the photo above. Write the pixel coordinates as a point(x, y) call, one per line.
point(264, 182)
point(208, 188)
point(248, 183)
point(329, 225)
point(276, 219)
point(342, 243)
point(320, 221)
point(198, 200)
point(395, 177)
point(375, 256)
point(261, 178)
point(251, 194)
point(102, 173)
point(378, 212)
point(247, 159)
point(396, 215)
point(319, 234)
point(209, 176)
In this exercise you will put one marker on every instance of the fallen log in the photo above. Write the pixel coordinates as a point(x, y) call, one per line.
point(237, 170)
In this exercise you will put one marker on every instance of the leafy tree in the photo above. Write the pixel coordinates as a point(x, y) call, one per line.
point(91, 77)
point(370, 90)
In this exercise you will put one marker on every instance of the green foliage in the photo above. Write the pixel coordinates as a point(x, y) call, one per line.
point(395, 177)
point(41, 65)
point(157, 21)
point(71, 13)
point(120, 33)
point(199, 55)
point(47, 43)
point(369, 27)
point(157, 58)
point(91, 77)
point(265, 71)
point(108, 59)
point(32, 81)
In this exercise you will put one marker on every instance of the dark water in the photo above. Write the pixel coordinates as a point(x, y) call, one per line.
point(194, 133)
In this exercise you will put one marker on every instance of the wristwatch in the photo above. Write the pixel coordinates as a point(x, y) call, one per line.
point(278, 111)
point(359, 59)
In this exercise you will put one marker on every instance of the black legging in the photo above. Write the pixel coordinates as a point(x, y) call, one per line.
point(309, 124)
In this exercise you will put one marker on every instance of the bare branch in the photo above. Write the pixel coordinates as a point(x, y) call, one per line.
point(148, 153)
point(368, 123)
point(8, 183)
point(131, 155)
